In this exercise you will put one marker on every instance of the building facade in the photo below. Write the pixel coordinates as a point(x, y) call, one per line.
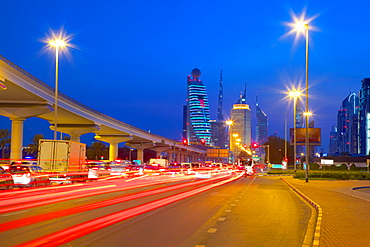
point(261, 125)
point(347, 125)
point(197, 127)
point(219, 136)
point(364, 117)
point(241, 129)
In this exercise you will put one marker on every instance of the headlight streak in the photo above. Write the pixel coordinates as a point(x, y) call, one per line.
point(74, 232)
point(29, 202)
point(70, 211)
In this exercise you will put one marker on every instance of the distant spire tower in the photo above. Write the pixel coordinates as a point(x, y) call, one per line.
point(220, 115)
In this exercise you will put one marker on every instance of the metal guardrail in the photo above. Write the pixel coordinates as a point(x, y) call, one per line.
point(69, 98)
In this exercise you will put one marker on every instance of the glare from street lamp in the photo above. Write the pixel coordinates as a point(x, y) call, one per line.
point(57, 43)
point(308, 114)
point(294, 93)
point(229, 122)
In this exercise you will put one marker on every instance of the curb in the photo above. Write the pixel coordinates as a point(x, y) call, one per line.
point(363, 187)
point(316, 237)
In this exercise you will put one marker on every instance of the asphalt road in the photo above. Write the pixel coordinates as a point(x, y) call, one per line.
point(248, 212)
point(260, 211)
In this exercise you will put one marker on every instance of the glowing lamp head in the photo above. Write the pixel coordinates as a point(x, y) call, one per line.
point(229, 122)
point(57, 43)
point(294, 94)
point(300, 26)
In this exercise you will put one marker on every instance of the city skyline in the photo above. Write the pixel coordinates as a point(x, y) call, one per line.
point(135, 61)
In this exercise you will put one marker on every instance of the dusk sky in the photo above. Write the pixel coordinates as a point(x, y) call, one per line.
point(131, 57)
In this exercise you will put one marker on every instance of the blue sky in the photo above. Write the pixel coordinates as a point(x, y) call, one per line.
point(132, 57)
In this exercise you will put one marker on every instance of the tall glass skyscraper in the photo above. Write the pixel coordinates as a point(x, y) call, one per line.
point(364, 117)
point(241, 129)
point(261, 126)
point(347, 125)
point(197, 114)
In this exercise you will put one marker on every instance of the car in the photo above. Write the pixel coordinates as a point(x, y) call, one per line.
point(133, 170)
point(6, 179)
point(98, 169)
point(154, 169)
point(26, 175)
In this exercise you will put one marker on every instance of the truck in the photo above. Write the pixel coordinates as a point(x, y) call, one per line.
point(64, 160)
point(161, 162)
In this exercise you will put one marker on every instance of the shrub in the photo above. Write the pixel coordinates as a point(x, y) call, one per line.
point(314, 166)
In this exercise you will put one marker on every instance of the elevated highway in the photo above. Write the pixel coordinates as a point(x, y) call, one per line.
point(23, 96)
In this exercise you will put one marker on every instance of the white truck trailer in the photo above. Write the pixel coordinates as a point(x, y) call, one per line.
point(63, 159)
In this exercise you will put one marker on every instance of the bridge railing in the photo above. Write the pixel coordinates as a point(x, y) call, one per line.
point(65, 96)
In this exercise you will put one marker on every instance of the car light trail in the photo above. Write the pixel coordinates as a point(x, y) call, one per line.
point(74, 232)
point(28, 202)
point(61, 213)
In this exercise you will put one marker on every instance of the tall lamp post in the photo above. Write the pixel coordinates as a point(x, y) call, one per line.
point(295, 94)
point(57, 44)
point(306, 113)
point(299, 27)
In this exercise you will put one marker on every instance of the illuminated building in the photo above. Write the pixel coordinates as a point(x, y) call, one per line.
point(219, 135)
point(197, 126)
point(364, 117)
point(333, 144)
point(347, 125)
point(261, 126)
point(241, 129)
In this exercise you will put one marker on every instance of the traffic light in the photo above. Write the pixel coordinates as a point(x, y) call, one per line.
point(203, 142)
point(185, 142)
point(286, 159)
point(255, 145)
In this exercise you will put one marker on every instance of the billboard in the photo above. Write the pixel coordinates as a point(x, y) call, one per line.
point(314, 136)
point(220, 153)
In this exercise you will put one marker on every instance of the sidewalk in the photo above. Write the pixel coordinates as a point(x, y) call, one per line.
point(346, 212)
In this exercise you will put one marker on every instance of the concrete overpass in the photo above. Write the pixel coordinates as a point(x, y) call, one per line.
point(26, 96)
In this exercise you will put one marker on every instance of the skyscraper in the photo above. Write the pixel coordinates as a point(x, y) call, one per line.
point(364, 117)
point(241, 128)
point(333, 144)
point(219, 136)
point(220, 114)
point(347, 125)
point(261, 126)
point(197, 126)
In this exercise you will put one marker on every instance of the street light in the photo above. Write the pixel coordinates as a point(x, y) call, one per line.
point(300, 26)
point(56, 43)
point(295, 94)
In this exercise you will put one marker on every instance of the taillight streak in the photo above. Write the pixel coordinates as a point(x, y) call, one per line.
point(33, 201)
point(77, 231)
point(65, 212)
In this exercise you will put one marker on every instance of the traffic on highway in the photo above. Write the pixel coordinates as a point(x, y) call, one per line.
point(57, 214)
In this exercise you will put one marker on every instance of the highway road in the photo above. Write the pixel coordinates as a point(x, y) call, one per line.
point(225, 210)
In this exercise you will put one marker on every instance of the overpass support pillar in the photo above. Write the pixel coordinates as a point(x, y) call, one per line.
point(140, 149)
point(170, 156)
point(76, 130)
point(113, 141)
point(17, 139)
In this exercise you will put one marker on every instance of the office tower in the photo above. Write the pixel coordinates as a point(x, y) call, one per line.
point(364, 117)
point(240, 130)
point(197, 125)
point(220, 114)
point(219, 135)
point(261, 126)
point(300, 122)
point(333, 141)
point(347, 125)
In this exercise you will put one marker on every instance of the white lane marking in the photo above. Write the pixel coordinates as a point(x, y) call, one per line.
point(13, 213)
